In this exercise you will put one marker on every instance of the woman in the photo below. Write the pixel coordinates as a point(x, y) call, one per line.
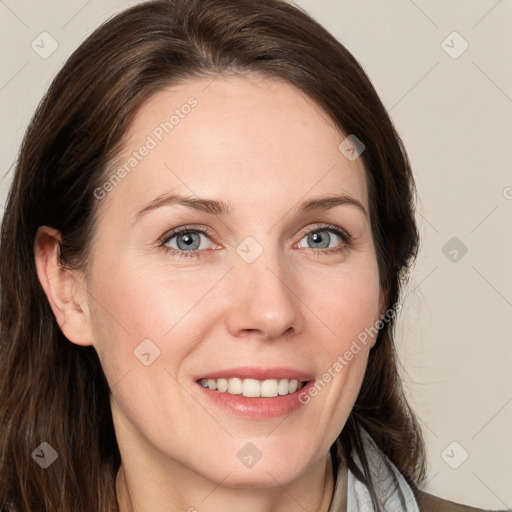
point(201, 260)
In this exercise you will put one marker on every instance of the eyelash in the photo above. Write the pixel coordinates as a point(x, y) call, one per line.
point(344, 235)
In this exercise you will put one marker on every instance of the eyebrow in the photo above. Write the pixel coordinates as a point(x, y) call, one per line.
point(216, 207)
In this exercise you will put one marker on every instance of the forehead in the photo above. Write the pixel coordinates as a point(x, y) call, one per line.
point(242, 139)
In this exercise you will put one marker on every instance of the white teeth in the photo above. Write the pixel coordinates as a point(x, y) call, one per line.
point(253, 388)
point(234, 386)
point(293, 385)
point(269, 388)
point(222, 385)
point(282, 387)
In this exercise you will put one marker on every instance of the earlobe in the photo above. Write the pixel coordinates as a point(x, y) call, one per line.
point(64, 290)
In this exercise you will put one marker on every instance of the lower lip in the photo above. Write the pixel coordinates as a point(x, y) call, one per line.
point(258, 408)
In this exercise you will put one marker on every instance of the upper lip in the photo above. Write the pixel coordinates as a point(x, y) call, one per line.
point(258, 373)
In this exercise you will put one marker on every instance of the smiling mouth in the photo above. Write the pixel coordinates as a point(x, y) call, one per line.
point(253, 388)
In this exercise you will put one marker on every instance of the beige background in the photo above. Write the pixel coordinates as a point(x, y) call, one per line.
point(454, 115)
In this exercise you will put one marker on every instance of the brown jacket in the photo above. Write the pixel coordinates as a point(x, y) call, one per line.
point(429, 503)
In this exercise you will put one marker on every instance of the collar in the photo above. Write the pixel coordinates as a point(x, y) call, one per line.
point(389, 484)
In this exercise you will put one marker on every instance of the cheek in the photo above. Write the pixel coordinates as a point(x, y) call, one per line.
point(345, 301)
point(347, 304)
point(134, 303)
point(354, 316)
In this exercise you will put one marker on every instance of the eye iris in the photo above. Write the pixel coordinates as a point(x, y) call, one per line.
point(321, 239)
point(186, 241)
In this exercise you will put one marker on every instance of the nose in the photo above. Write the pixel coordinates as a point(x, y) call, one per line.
point(265, 301)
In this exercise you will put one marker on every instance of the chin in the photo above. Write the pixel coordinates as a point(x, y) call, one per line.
point(262, 476)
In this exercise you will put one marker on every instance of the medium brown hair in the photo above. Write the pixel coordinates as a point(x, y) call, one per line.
point(55, 391)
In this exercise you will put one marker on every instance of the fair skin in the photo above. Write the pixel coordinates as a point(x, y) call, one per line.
point(263, 148)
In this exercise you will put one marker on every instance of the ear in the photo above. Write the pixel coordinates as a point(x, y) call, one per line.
point(64, 288)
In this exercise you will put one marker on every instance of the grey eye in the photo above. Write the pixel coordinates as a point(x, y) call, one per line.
point(320, 239)
point(187, 241)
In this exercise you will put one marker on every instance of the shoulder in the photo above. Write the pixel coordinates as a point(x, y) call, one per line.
point(429, 503)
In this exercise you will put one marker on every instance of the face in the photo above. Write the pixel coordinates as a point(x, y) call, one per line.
point(260, 284)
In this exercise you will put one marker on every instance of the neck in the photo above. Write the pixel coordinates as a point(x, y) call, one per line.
point(138, 493)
